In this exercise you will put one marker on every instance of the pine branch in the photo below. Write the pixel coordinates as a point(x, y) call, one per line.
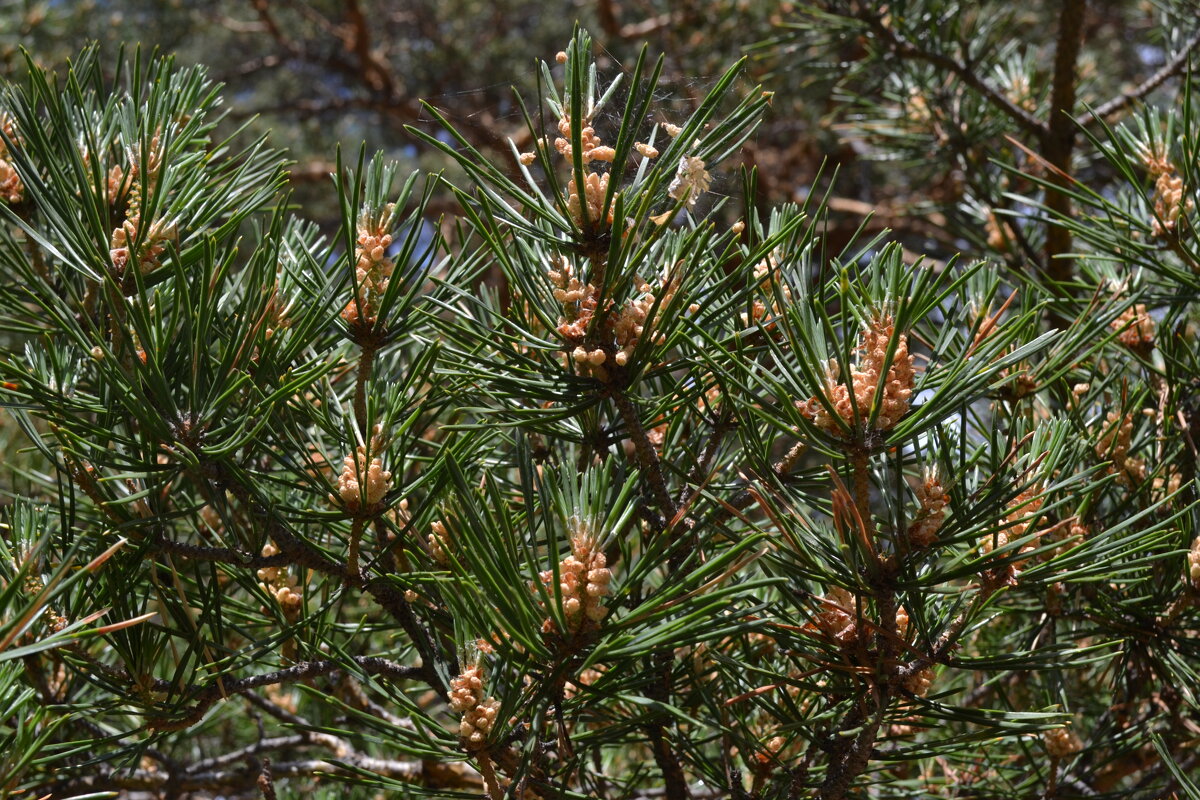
point(905, 49)
point(221, 555)
point(748, 496)
point(648, 458)
point(722, 425)
point(204, 698)
point(1058, 140)
point(266, 783)
point(300, 553)
point(227, 780)
point(1109, 110)
point(676, 787)
point(851, 763)
point(1050, 485)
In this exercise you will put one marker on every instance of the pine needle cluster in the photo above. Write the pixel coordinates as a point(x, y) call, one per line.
point(618, 484)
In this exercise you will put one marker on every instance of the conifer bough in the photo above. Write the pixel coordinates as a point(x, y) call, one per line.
point(685, 504)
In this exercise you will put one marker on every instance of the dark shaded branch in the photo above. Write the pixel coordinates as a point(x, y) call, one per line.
point(275, 710)
point(855, 758)
point(1173, 67)
point(234, 779)
point(221, 555)
point(746, 497)
point(299, 552)
point(392, 600)
point(294, 549)
point(675, 785)
point(648, 460)
point(205, 698)
point(1058, 142)
point(266, 783)
point(721, 426)
point(903, 48)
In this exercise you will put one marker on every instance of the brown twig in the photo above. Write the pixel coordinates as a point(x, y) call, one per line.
point(220, 555)
point(366, 367)
point(721, 426)
point(266, 783)
point(357, 526)
point(648, 459)
point(744, 498)
point(234, 779)
point(1107, 111)
point(206, 697)
point(903, 48)
point(668, 763)
point(856, 757)
point(1058, 140)
point(861, 465)
point(490, 782)
point(947, 640)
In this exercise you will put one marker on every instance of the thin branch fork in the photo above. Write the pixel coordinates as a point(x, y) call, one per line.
point(303, 554)
point(206, 697)
point(232, 779)
point(648, 458)
point(905, 49)
point(221, 555)
point(1176, 65)
point(948, 639)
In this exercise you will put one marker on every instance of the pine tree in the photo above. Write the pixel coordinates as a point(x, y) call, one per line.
point(617, 484)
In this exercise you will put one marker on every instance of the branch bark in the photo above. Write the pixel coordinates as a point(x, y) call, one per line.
point(1108, 111)
point(903, 48)
point(648, 459)
point(207, 696)
point(1058, 141)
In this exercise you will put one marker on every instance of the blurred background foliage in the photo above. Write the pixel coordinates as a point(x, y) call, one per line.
point(323, 74)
